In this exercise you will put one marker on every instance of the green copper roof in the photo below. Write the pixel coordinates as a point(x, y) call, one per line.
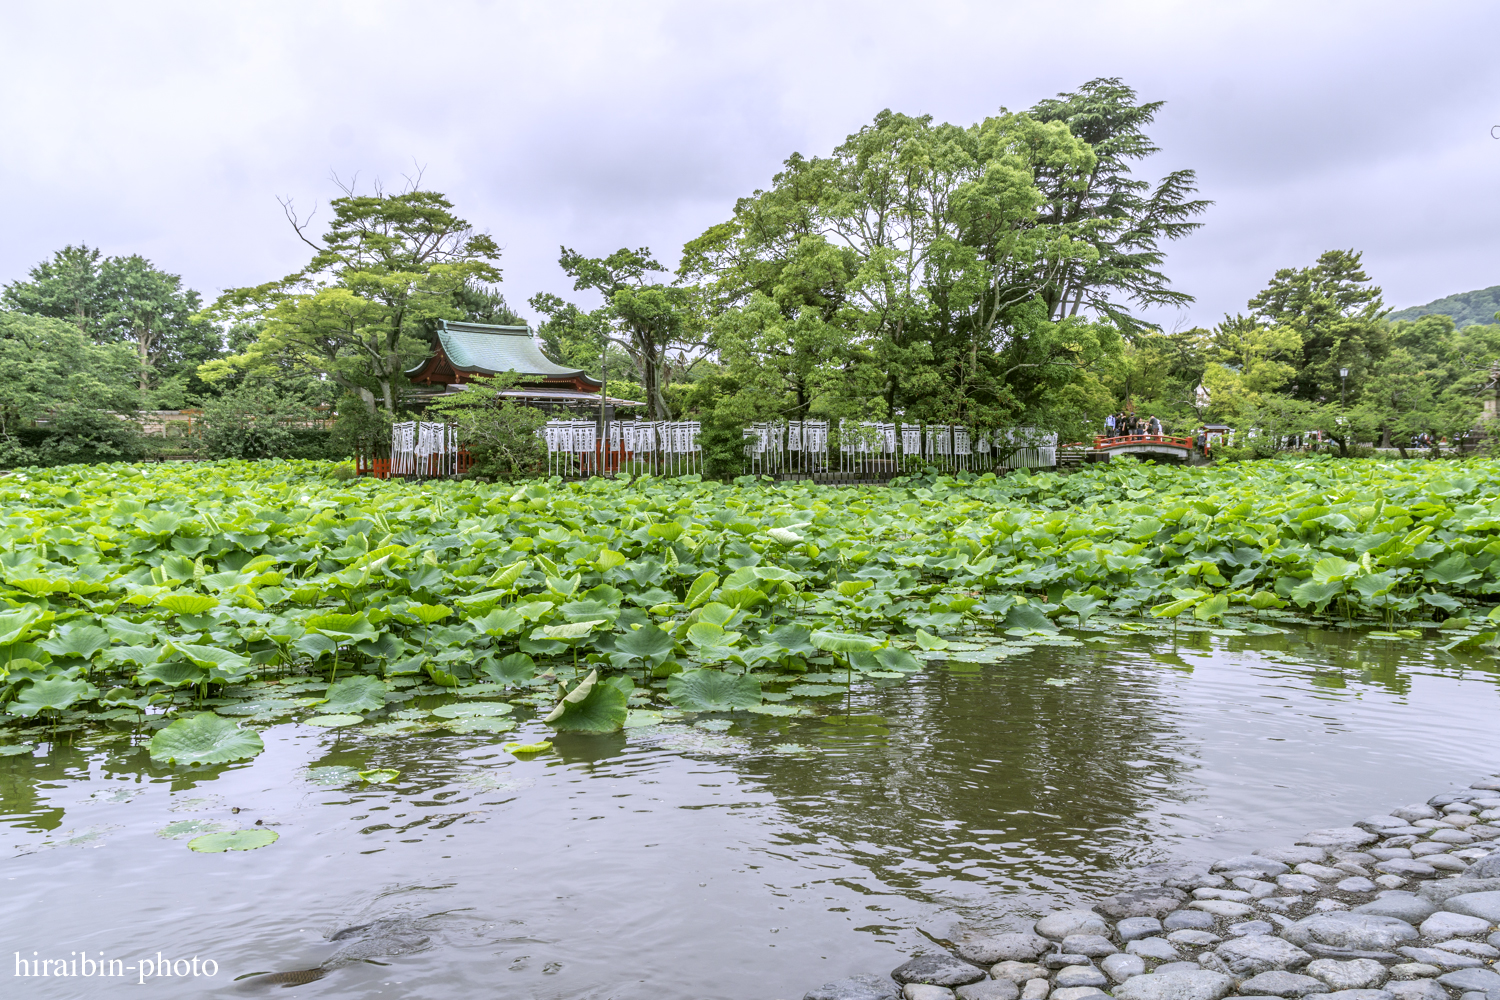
point(489, 350)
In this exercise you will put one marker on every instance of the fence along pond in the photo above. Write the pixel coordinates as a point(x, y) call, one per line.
point(795, 449)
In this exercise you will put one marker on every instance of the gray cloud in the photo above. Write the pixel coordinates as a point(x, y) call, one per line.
point(169, 129)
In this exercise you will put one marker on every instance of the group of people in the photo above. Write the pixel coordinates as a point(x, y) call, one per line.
point(1129, 425)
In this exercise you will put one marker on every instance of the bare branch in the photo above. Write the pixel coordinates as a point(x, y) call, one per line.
point(298, 225)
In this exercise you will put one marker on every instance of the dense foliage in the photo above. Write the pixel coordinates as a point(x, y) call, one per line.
point(1465, 308)
point(269, 590)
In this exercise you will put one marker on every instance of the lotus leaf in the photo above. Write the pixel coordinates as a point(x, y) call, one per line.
point(473, 709)
point(844, 642)
point(334, 721)
point(53, 693)
point(82, 641)
point(234, 840)
point(707, 690)
point(480, 725)
point(594, 706)
point(188, 604)
point(353, 695)
point(204, 739)
point(379, 775)
point(528, 748)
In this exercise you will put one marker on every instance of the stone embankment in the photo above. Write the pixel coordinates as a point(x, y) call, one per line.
point(1402, 906)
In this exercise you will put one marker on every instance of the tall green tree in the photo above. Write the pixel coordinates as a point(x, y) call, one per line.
point(48, 365)
point(360, 311)
point(122, 299)
point(895, 275)
point(1336, 311)
point(656, 325)
point(1124, 218)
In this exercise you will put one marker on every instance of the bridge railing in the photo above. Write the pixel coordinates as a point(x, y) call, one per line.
point(1103, 441)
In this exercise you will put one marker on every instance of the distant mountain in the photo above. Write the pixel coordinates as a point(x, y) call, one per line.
point(1466, 308)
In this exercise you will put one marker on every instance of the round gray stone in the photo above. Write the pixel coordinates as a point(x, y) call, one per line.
point(1486, 867)
point(1442, 958)
point(940, 969)
point(1061, 960)
point(1227, 908)
point(1059, 925)
point(1256, 953)
point(1294, 855)
point(1076, 993)
point(1182, 966)
point(1404, 867)
point(989, 989)
point(1356, 884)
point(1451, 837)
point(1080, 975)
point(1021, 972)
point(1193, 938)
point(1444, 925)
point(1339, 836)
point(1416, 989)
point(1092, 945)
point(1250, 864)
point(1365, 931)
point(1137, 927)
point(1298, 883)
point(1181, 920)
point(1251, 927)
point(1184, 985)
point(1153, 948)
point(921, 991)
point(1485, 905)
point(1279, 983)
point(1482, 980)
point(1360, 974)
point(987, 949)
point(1404, 906)
point(1035, 989)
point(1142, 903)
point(1361, 995)
point(1122, 967)
point(1412, 813)
point(855, 988)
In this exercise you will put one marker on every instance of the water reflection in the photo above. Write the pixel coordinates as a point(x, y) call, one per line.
point(736, 857)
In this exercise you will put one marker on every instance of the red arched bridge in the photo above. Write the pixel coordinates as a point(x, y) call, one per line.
point(1183, 450)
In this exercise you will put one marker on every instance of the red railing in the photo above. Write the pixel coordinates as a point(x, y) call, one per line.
point(1114, 440)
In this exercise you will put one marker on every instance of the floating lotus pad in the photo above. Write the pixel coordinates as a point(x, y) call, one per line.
point(233, 840)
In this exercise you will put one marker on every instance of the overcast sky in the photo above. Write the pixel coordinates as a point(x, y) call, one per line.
point(170, 129)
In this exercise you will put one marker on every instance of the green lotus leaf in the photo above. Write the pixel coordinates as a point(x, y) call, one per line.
point(499, 622)
point(379, 775)
point(1024, 616)
point(213, 658)
point(173, 673)
point(645, 643)
point(204, 739)
point(187, 604)
point(528, 749)
point(513, 669)
point(929, 642)
point(429, 614)
point(473, 709)
point(53, 693)
point(16, 749)
point(564, 633)
point(334, 721)
point(705, 634)
point(353, 695)
point(480, 725)
point(844, 642)
point(234, 840)
point(16, 625)
point(701, 588)
point(594, 706)
point(707, 690)
point(82, 641)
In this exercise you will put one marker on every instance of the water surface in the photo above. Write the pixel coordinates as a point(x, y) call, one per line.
point(744, 863)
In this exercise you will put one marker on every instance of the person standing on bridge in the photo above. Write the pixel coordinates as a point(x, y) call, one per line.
point(1153, 426)
point(1109, 425)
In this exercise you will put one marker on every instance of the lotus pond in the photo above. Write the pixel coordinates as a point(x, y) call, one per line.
point(683, 739)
